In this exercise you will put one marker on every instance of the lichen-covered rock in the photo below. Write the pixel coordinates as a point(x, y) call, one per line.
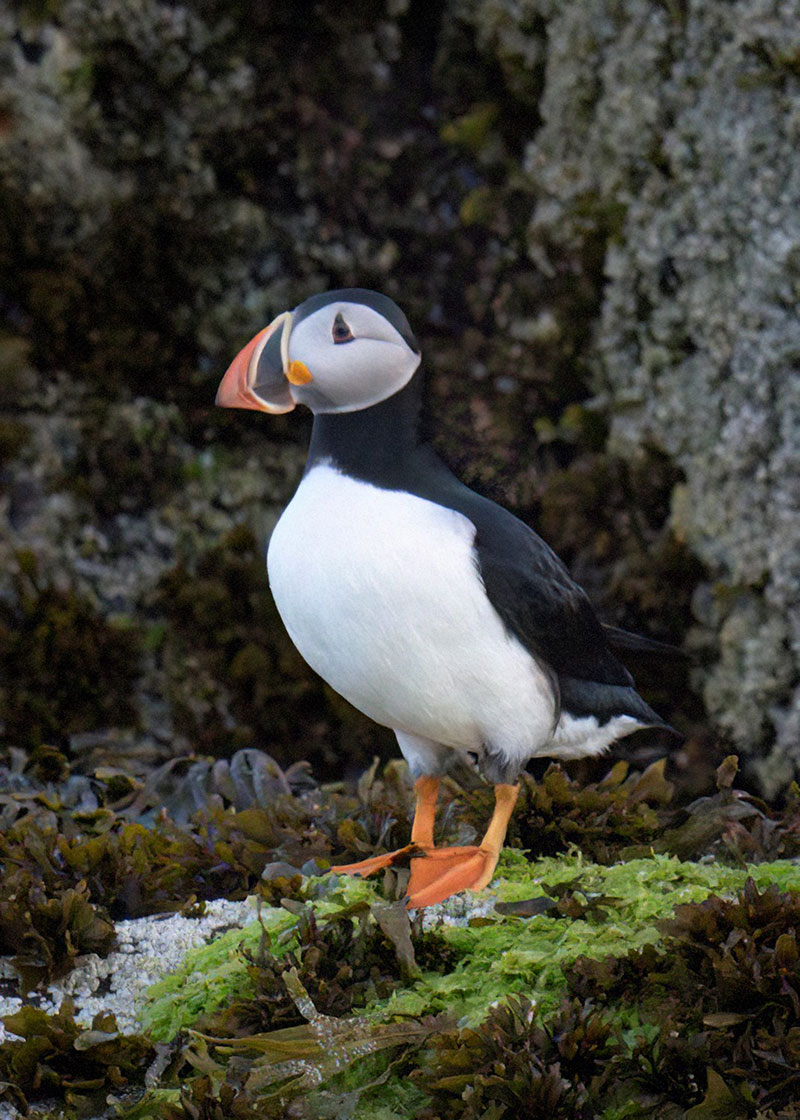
point(675, 129)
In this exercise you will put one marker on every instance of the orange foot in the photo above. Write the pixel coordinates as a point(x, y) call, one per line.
point(376, 863)
point(442, 872)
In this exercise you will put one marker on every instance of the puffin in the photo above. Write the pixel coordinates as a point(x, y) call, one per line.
point(431, 609)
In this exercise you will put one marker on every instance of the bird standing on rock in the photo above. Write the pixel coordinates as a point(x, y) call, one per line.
point(431, 609)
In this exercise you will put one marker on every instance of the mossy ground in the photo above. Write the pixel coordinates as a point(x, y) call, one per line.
point(629, 947)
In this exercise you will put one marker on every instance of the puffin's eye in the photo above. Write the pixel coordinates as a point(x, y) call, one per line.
point(341, 332)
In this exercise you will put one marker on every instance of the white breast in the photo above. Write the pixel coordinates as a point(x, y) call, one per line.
point(380, 593)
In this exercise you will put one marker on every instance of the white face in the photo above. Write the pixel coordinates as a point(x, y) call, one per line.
point(355, 357)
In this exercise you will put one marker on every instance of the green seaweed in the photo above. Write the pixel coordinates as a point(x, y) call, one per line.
point(348, 949)
point(628, 813)
point(47, 934)
point(581, 1027)
point(121, 858)
point(265, 1072)
point(585, 924)
point(53, 1055)
point(514, 1066)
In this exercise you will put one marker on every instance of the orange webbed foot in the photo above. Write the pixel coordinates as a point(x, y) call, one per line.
point(374, 864)
point(443, 872)
point(438, 873)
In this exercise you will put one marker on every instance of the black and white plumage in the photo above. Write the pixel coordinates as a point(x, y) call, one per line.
point(430, 608)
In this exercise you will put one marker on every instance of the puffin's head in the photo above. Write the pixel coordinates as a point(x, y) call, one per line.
point(337, 352)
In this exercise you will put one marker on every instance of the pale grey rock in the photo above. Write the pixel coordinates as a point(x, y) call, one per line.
point(715, 363)
point(148, 949)
point(459, 910)
point(673, 132)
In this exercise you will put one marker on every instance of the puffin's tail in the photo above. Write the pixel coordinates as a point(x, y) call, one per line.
point(604, 701)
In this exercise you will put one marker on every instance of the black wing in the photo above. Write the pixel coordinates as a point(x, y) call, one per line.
point(636, 643)
point(541, 605)
point(551, 616)
point(538, 600)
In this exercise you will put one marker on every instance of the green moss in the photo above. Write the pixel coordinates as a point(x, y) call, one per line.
point(217, 973)
point(210, 976)
point(494, 957)
point(592, 1046)
point(529, 955)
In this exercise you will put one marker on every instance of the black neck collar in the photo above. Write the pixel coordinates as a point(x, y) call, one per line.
point(374, 444)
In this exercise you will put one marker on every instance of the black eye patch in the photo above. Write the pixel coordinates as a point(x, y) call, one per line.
point(341, 332)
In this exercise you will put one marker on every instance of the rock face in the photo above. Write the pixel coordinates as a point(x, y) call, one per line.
point(685, 121)
point(716, 353)
point(590, 211)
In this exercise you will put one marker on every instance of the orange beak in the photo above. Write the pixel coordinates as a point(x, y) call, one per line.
point(256, 378)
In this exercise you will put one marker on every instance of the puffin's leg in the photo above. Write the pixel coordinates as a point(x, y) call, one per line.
point(505, 798)
point(426, 790)
point(442, 872)
point(427, 794)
